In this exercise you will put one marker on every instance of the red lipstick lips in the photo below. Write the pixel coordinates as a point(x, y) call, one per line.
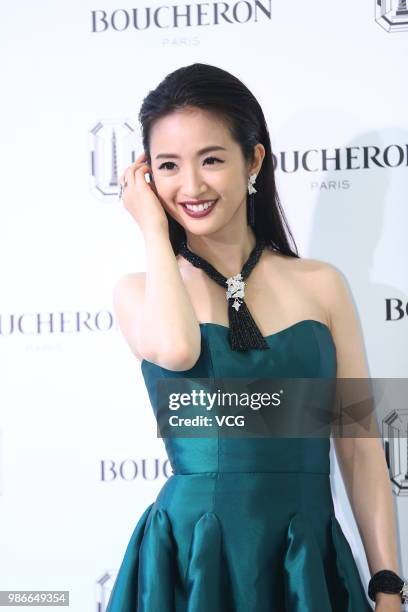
point(197, 214)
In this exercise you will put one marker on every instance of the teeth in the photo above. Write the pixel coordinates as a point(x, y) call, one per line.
point(199, 207)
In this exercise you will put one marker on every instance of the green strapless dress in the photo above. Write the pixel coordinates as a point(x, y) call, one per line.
point(244, 524)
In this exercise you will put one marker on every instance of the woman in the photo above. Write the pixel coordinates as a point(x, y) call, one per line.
point(243, 524)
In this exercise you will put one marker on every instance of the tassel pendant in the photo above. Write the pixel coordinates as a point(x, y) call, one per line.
point(243, 332)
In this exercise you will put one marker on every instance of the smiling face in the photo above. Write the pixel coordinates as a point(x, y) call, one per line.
point(193, 157)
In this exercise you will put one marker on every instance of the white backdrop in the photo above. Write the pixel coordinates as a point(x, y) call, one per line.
point(79, 457)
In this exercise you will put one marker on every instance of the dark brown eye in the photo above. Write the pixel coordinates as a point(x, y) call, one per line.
point(164, 166)
point(214, 158)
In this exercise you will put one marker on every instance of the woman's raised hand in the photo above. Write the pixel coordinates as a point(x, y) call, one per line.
point(141, 199)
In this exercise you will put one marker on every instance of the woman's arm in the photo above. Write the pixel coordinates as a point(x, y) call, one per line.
point(361, 459)
point(154, 310)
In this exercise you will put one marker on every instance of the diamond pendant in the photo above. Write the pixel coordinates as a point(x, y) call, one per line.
point(236, 290)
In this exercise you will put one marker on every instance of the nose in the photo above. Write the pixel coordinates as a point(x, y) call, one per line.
point(193, 184)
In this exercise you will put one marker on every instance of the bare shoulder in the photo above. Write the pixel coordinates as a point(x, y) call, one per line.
point(331, 284)
point(344, 322)
point(332, 290)
point(127, 295)
point(312, 273)
point(317, 282)
point(339, 300)
point(301, 265)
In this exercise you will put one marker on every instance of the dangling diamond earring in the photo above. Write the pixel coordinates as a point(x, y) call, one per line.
point(251, 182)
point(251, 191)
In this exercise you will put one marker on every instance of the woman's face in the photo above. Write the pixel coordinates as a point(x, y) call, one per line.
point(183, 172)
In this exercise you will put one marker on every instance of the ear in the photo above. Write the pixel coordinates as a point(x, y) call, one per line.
point(259, 154)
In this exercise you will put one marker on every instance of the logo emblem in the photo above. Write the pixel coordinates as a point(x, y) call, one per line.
point(104, 588)
point(392, 15)
point(112, 150)
point(395, 428)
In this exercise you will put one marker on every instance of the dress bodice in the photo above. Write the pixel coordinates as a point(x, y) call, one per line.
point(244, 524)
point(305, 349)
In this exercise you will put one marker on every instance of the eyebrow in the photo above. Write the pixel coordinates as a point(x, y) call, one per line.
point(200, 152)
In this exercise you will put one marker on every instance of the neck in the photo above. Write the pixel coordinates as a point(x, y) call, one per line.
point(227, 256)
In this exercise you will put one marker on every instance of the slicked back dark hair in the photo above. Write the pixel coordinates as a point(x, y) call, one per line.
point(215, 90)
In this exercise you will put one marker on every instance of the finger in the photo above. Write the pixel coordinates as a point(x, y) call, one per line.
point(137, 161)
point(140, 172)
point(140, 161)
point(129, 176)
point(147, 173)
point(141, 157)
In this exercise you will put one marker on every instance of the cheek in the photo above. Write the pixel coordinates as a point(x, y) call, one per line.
point(236, 189)
point(164, 187)
point(233, 182)
point(164, 192)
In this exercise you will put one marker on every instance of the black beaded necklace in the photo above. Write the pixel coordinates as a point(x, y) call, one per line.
point(243, 332)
